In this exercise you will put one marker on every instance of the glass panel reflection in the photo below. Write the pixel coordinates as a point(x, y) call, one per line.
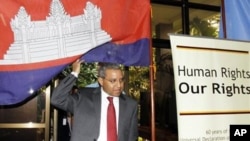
point(21, 134)
point(31, 111)
point(208, 2)
point(204, 23)
point(165, 19)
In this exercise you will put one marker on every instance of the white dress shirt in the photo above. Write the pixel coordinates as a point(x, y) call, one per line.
point(104, 107)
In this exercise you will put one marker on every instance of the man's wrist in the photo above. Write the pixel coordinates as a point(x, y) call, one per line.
point(74, 73)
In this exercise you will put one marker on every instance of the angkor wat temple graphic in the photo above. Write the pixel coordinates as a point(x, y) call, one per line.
point(59, 36)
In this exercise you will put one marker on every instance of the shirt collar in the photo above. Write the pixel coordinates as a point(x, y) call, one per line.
point(105, 95)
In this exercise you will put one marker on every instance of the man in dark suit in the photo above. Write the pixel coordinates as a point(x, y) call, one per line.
point(90, 105)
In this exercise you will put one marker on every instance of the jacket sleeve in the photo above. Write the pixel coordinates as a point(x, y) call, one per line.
point(61, 95)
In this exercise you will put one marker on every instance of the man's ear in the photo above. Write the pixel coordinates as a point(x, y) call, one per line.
point(100, 80)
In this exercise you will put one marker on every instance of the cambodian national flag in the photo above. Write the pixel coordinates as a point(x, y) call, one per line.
point(235, 21)
point(39, 38)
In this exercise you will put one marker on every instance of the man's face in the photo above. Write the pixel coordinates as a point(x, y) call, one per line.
point(113, 83)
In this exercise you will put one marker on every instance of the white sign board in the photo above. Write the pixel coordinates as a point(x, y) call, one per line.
point(212, 82)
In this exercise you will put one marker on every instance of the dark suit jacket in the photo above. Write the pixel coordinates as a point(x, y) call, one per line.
point(86, 107)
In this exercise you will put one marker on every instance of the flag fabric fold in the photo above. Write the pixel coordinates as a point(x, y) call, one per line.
point(236, 20)
point(41, 38)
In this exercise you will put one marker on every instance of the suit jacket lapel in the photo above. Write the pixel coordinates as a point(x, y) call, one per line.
point(97, 106)
point(122, 113)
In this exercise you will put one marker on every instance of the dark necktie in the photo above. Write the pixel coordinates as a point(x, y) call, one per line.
point(111, 121)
